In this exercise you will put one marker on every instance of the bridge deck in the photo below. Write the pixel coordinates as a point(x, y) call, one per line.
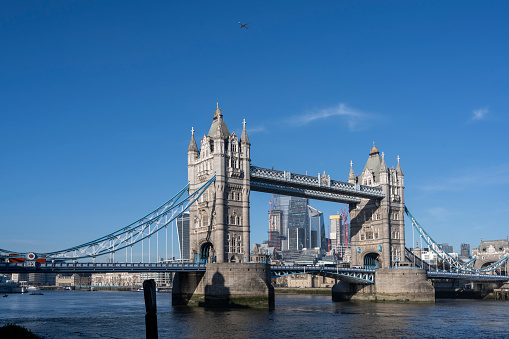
point(283, 182)
point(348, 274)
point(351, 275)
point(467, 276)
point(64, 267)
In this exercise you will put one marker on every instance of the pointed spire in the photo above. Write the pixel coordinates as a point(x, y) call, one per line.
point(398, 168)
point(218, 111)
point(374, 150)
point(192, 144)
point(383, 166)
point(243, 138)
point(351, 176)
point(218, 125)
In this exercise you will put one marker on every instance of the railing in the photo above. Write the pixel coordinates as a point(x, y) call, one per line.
point(467, 276)
point(310, 182)
point(302, 192)
point(98, 267)
point(353, 275)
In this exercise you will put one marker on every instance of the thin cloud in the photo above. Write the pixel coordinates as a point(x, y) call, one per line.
point(440, 213)
point(474, 177)
point(356, 120)
point(254, 130)
point(480, 114)
point(21, 242)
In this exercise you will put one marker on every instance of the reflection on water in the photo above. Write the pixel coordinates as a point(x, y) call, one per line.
point(73, 314)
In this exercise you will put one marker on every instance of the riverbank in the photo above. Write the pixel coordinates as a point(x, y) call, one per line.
point(315, 291)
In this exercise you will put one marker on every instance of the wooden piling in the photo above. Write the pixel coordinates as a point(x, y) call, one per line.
point(149, 291)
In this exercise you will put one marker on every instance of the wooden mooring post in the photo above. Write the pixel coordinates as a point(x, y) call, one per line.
point(502, 294)
point(149, 291)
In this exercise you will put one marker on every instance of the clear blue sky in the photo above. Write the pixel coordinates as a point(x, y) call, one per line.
point(98, 99)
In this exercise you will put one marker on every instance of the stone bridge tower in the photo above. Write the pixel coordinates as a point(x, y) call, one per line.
point(377, 226)
point(219, 221)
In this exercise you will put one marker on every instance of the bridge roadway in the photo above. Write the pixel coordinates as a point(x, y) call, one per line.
point(352, 275)
point(76, 267)
point(467, 276)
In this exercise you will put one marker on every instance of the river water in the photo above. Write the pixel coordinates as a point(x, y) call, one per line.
point(82, 314)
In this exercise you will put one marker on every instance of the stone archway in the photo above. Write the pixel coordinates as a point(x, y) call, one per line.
point(372, 260)
point(206, 253)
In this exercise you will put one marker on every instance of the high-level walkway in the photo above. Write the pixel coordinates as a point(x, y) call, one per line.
point(287, 183)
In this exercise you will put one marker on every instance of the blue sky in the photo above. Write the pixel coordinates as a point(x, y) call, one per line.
point(98, 100)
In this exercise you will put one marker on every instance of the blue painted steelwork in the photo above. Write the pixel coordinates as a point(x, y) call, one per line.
point(352, 275)
point(75, 267)
point(371, 261)
point(471, 261)
point(494, 266)
point(131, 234)
point(359, 276)
point(410, 256)
point(467, 276)
point(455, 264)
point(283, 182)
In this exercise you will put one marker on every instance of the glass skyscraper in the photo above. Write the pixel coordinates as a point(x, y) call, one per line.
point(295, 225)
point(183, 235)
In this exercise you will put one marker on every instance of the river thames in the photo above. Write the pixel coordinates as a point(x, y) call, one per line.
point(81, 314)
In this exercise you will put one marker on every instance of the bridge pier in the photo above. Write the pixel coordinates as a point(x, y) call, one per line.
point(225, 285)
point(399, 285)
point(465, 289)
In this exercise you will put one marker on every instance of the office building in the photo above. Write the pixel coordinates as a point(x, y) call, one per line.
point(339, 235)
point(183, 236)
point(447, 248)
point(294, 225)
point(465, 250)
point(316, 229)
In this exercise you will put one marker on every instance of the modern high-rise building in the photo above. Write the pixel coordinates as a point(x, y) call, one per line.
point(275, 229)
point(339, 235)
point(316, 231)
point(447, 248)
point(296, 238)
point(183, 235)
point(297, 223)
point(294, 225)
point(280, 207)
point(465, 250)
point(335, 231)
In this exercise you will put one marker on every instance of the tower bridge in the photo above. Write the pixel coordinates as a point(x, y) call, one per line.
point(220, 224)
point(220, 180)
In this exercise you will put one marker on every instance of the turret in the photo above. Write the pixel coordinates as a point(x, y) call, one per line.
point(377, 226)
point(219, 221)
point(351, 176)
point(399, 171)
point(384, 174)
point(192, 150)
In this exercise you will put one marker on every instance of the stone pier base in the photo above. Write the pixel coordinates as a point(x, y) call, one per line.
point(225, 285)
point(398, 285)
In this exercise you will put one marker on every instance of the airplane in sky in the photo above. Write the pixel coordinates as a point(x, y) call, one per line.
point(243, 25)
